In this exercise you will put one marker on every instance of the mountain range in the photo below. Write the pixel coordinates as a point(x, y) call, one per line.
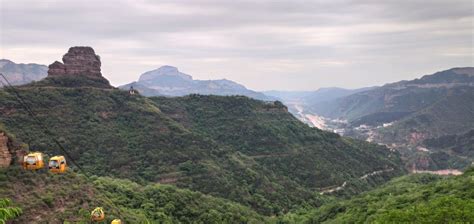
point(320, 95)
point(169, 81)
point(164, 81)
point(19, 74)
point(299, 102)
point(399, 97)
point(403, 115)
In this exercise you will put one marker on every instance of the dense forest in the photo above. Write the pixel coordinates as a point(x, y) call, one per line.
point(266, 132)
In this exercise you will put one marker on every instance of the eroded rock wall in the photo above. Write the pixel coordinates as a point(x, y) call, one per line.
point(77, 61)
point(5, 155)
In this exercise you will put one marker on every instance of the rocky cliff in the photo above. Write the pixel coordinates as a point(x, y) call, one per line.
point(10, 151)
point(5, 155)
point(80, 68)
point(77, 61)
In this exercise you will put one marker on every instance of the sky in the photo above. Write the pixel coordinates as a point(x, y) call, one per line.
point(265, 45)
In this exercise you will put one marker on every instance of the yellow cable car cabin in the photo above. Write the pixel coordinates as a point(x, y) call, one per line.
point(57, 164)
point(33, 161)
point(116, 221)
point(98, 215)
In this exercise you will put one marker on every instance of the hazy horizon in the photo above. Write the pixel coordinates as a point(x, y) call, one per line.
point(284, 45)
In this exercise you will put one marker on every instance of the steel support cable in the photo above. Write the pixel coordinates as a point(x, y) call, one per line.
point(39, 123)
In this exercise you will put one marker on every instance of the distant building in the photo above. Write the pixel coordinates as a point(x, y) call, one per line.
point(132, 91)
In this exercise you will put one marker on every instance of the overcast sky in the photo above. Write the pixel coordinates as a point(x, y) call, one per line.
point(285, 45)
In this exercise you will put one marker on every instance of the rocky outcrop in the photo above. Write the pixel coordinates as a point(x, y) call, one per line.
point(5, 155)
point(77, 61)
point(56, 69)
point(10, 151)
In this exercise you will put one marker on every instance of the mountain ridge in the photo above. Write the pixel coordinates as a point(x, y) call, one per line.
point(21, 73)
point(169, 81)
point(404, 114)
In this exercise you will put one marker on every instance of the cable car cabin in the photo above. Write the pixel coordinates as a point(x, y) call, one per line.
point(98, 215)
point(33, 161)
point(116, 221)
point(57, 164)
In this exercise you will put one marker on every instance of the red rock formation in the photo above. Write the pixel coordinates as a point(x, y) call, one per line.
point(5, 156)
point(56, 69)
point(77, 61)
point(416, 137)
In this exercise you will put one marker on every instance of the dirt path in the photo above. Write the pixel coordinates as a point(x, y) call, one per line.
point(331, 189)
point(270, 155)
point(440, 172)
point(375, 173)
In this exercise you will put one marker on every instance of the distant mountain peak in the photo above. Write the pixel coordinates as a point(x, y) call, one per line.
point(165, 70)
point(464, 70)
point(19, 74)
point(4, 62)
point(169, 81)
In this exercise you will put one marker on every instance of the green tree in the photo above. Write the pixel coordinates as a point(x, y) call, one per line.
point(7, 212)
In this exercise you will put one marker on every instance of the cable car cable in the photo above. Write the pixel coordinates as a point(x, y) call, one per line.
point(39, 123)
point(45, 129)
point(5, 85)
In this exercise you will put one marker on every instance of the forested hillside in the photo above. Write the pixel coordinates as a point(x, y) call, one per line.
point(275, 164)
point(266, 132)
point(418, 198)
point(450, 114)
point(452, 151)
point(69, 198)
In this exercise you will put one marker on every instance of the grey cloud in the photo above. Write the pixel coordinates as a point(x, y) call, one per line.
point(244, 39)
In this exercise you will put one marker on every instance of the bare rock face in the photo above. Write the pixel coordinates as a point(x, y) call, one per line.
point(77, 61)
point(56, 69)
point(5, 155)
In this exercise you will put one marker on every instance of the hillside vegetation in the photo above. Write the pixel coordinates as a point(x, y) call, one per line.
point(7, 212)
point(277, 140)
point(452, 151)
point(244, 150)
point(450, 114)
point(420, 198)
point(70, 197)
